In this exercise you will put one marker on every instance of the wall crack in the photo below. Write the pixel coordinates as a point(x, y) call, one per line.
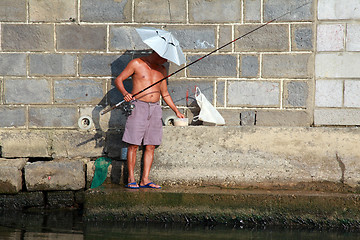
point(342, 167)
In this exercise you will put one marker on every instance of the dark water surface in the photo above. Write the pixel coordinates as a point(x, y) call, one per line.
point(69, 225)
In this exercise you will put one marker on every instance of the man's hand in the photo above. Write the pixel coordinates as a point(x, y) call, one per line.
point(128, 97)
point(180, 115)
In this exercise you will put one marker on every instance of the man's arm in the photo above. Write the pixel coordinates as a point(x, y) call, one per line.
point(167, 98)
point(125, 74)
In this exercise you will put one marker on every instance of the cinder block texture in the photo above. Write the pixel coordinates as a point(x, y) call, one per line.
point(329, 93)
point(114, 119)
point(247, 118)
point(22, 143)
point(114, 144)
point(12, 116)
point(55, 175)
point(337, 65)
point(301, 10)
point(53, 117)
point(213, 66)
point(302, 37)
point(336, 10)
point(52, 11)
point(330, 37)
point(173, 11)
point(351, 93)
point(52, 64)
point(27, 37)
point(284, 65)
point(231, 117)
point(283, 118)
point(221, 11)
point(336, 117)
point(60, 143)
point(269, 38)
point(114, 96)
point(353, 37)
point(117, 119)
point(59, 58)
point(81, 38)
point(225, 36)
point(252, 10)
point(249, 66)
point(253, 93)
point(179, 88)
point(220, 93)
point(27, 91)
point(125, 38)
point(296, 94)
point(78, 91)
point(13, 10)
point(11, 175)
point(195, 38)
point(103, 65)
point(171, 68)
point(105, 11)
point(72, 144)
point(12, 64)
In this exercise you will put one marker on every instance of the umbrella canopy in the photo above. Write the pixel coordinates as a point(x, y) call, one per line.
point(163, 43)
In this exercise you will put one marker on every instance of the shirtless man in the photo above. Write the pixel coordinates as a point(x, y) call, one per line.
point(144, 125)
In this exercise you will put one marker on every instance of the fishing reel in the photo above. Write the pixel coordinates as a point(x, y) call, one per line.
point(126, 108)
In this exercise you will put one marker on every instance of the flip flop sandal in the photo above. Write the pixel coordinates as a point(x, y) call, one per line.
point(132, 185)
point(148, 186)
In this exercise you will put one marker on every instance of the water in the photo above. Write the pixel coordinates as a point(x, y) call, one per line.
point(69, 225)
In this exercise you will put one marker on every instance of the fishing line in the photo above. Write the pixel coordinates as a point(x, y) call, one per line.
point(205, 56)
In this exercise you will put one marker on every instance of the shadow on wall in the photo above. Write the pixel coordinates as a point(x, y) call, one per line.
point(109, 127)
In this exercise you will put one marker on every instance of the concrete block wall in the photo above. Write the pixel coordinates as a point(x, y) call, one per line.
point(337, 72)
point(58, 58)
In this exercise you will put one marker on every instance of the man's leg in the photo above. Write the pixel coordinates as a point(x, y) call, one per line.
point(148, 160)
point(131, 160)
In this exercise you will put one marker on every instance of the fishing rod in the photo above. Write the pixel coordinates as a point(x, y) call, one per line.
point(127, 109)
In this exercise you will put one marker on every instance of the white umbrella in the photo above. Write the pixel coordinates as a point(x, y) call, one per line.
point(162, 42)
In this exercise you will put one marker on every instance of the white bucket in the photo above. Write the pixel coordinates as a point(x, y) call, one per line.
point(181, 122)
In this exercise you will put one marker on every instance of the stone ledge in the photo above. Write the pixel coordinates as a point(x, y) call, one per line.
point(11, 174)
point(21, 201)
point(22, 174)
point(216, 205)
point(215, 155)
point(55, 175)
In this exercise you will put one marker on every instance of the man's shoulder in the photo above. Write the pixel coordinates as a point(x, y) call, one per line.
point(137, 61)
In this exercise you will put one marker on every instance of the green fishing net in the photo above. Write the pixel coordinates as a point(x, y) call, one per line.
point(101, 169)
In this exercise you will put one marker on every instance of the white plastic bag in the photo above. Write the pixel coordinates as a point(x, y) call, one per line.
point(208, 112)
